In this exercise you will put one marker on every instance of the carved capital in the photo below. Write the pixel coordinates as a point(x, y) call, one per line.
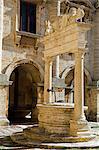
point(82, 40)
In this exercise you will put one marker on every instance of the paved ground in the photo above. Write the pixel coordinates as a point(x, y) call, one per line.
point(6, 132)
point(6, 142)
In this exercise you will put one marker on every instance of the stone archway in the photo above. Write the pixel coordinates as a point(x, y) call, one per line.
point(22, 97)
point(68, 75)
point(70, 68)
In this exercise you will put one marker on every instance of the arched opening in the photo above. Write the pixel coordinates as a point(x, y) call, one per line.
point(69, 80)
point(23, 94)
point(69, 93)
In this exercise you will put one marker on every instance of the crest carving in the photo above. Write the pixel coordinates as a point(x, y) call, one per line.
point(64, 20)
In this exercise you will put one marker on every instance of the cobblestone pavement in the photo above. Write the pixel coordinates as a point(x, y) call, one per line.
point(6, 132)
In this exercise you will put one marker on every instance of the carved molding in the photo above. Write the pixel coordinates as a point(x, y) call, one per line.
point(48, 27)
point(64, 20)
point(97, 4)
point(85, 6)
point(27, 39)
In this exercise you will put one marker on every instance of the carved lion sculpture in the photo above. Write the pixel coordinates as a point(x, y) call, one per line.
point(76, 14)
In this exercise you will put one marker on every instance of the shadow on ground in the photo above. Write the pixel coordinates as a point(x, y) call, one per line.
point(7, 143)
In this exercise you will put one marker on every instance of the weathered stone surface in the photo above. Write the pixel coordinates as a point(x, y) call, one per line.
point(55, 118)
point(25, 48)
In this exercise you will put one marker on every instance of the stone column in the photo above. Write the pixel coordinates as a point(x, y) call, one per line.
point(58, 8)
point(79, 86)
point(79, 125)
point(57, 66)
point(1, 32)
point(71, 95)
point(48, 81)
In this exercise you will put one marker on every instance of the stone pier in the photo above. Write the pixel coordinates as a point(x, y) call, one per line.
point(3, 78)
point(3, 100)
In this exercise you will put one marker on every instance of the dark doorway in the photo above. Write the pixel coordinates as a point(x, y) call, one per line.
point(23, 94)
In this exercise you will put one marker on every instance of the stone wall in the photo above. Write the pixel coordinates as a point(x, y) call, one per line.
point(96, 46)
point(55, 118)
point(16, 47)
point(11, 51)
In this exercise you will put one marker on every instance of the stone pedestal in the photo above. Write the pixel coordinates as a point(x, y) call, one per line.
point(3, 100)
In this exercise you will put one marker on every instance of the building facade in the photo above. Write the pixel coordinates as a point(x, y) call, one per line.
point(23, 25)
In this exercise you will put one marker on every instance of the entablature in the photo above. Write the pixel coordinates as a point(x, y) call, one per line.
point(69, 39)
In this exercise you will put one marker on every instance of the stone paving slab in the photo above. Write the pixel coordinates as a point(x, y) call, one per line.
point(9, 130)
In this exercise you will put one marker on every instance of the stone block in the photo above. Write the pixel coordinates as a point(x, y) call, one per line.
point(55, 118)
point(79, 128)
point(3, 80)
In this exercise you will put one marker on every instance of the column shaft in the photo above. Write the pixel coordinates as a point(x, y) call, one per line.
point(48, 81)
point(57, 66)
point(79, 87)
point(1, 32)
point(58, 8)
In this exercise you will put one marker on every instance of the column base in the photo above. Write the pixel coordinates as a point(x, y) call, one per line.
point(4, 121)
point(80, 128)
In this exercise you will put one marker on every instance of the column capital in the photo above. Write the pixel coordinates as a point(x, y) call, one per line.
point(80, 53)
point(48, 59)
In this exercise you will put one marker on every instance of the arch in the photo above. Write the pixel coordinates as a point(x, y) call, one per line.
point(26, 66)
point(68, 76)
point(9, 69)
point(69, 68)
